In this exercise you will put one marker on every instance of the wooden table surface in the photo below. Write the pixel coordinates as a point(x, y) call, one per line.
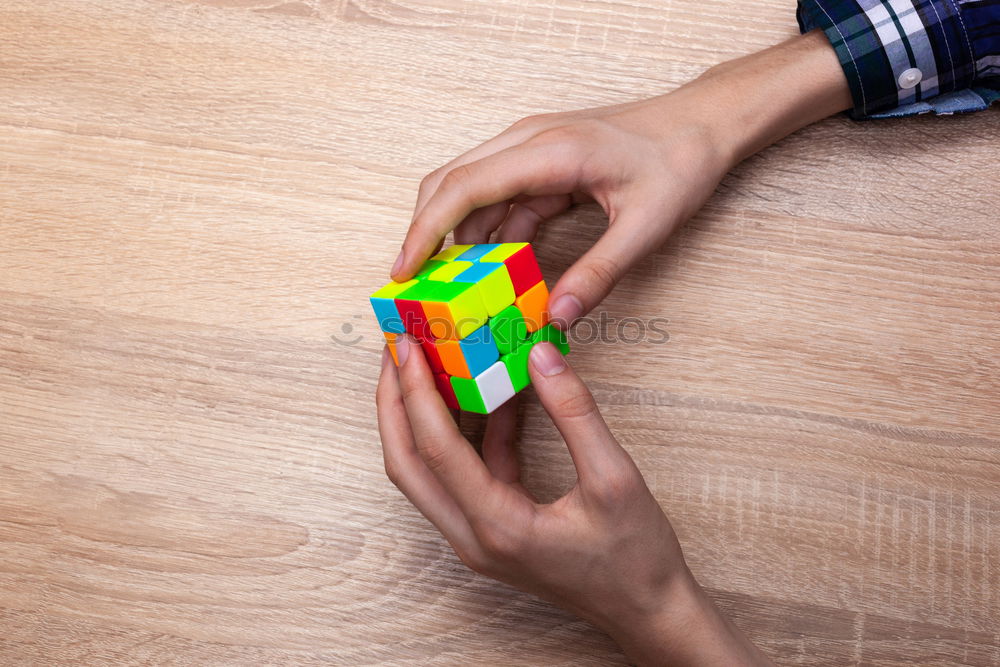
point(196, 199)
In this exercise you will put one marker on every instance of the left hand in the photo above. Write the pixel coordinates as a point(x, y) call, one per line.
point(604, 551)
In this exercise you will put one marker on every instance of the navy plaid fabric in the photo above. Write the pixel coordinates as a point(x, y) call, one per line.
point(904, 57)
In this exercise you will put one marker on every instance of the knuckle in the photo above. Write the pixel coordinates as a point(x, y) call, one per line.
point(522, 124)
point(617, 487)
point(434, 452)
point(457, 178)
point(498, 541)
point(574, 135)
point(562, 135)
point(602, 272)
point(576, 405)
point(391, 470)
point(428, 181)
point(421, 227)
point(411, 391)
point(531, 122)
point(563, 151)
point(475, 560)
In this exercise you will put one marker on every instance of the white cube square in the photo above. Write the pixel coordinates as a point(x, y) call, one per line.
point(495, 386)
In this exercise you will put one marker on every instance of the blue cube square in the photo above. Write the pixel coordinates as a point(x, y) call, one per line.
point(480, 350)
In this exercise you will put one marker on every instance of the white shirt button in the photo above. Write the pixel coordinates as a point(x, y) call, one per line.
point(910, 78)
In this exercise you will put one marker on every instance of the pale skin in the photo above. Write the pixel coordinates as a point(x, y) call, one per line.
point(605, 551)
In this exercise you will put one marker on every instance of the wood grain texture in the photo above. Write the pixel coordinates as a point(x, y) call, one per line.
point(195, 197)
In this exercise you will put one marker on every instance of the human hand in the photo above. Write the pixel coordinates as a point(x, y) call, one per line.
point(604, 551)
point(649, 164)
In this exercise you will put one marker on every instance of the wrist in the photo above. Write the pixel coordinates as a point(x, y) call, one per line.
point(763, 97)
point(686, 629)
point(658, 632)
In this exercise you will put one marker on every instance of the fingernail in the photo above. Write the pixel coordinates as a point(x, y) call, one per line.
point(402, 348)
point(565, 310)
point(386, 355)
point(398, 265)
point(546, 359)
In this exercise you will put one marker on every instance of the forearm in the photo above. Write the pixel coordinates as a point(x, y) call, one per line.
point(766, 96)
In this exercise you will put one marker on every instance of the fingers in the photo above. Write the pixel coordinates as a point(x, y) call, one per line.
point(406, 469)
point(430, 183)
point(524, 217)
point(585, 284)
point(438, 441)
point(478, 225)
point(532, 168)
point(517, 221)
point(517, 133)
point(595, 452)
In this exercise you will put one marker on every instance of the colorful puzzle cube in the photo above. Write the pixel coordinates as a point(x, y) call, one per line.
point(477, 310)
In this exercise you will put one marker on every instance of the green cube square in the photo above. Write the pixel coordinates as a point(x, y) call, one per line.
point(429, 267)
point(552, 335)
point(467, 393)
point(509, 329)
point(517, 360)
point(517, 366)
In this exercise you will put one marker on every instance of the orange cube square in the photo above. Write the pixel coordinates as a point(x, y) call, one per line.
point(390, 340)
point(452, 358)
point(533, 305)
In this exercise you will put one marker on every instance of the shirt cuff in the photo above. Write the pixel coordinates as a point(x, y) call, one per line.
point(897, 55)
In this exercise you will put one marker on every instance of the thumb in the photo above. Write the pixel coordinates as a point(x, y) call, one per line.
point(571, 406)
point(585, 284)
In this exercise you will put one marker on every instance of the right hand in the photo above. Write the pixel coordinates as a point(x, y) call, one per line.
point(649, 164)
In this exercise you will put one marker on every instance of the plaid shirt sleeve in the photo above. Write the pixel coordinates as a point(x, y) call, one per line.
point(904, 57)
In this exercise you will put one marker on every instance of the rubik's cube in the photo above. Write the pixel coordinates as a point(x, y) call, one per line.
point(477, 310)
